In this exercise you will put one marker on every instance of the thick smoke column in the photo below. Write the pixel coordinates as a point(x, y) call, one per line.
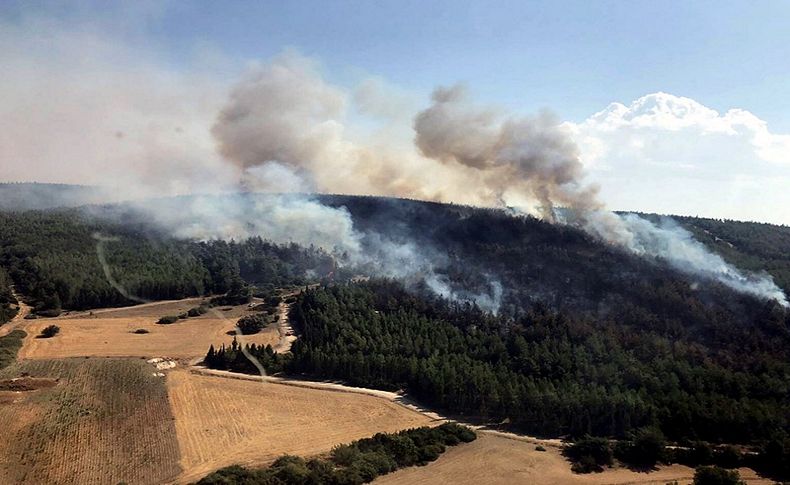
point(528, 156)
point(284, 119)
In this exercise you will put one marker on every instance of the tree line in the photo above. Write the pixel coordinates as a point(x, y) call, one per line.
point(351, 464)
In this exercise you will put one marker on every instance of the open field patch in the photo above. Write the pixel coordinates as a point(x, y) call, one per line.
point(86, 421)
point(494, 459)
point(221, 421)
point(112, 332)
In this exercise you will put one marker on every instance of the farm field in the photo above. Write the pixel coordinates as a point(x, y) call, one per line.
point(494, 459)
point(110, 332)
point(222, 421)
point(86, 421)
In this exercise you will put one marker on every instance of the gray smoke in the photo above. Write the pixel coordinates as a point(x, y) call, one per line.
point(286, 116)
point(532, 157)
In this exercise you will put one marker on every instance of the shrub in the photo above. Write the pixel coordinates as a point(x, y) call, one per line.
point(540, 448)
point(167, 320)
point(197, 311)
point(54, 312)
point(713, 475)
point(49, 331)
point(251, 324)
point(644, 450)
point(31, 316)
point(141, 331)
point(589, 454)
point(344, 455)
point(290, 469)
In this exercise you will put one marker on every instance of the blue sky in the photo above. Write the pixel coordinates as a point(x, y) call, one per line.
point(154, 63)
point(573, 57)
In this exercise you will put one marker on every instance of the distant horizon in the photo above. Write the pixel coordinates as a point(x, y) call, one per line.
point(619, 211)
point(661, 107)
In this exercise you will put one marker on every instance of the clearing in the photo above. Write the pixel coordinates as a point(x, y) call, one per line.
point(86, 421)
point(110, 332)
point(500, 459)
point(222, 421)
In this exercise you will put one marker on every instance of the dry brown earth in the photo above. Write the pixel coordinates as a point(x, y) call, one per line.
point(103, 421)
point(110, 332)
point(222, 421)
point(494, 459)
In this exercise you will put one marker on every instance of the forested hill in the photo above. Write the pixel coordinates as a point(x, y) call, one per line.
point(558, 266)
point(52, 257)
point(36, 196)
point(519, 261)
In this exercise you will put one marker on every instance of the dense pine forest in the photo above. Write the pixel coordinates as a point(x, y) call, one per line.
point(547, 372)
point(53, 259)
point(550, 373)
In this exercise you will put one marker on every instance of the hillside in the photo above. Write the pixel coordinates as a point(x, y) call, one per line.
point(586, 337)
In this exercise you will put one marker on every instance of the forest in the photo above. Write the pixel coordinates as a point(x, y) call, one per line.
point(53, 260)
point(548, 373)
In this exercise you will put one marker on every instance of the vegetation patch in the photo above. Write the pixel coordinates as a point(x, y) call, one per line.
point(49, 331)
point(8, 304)
point(9, 346)
point(251, 324)
point(713, 475)
point(356, 463)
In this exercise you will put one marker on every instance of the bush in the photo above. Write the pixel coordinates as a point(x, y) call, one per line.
point(141, 331)
point(589, 454)
point(54, 312)
point(167, 320)
point(713, 475)
point(197, 311)
point(644, 450)
point(540, 448)
point(49, 331)
point(344, 455)
point(251, 324)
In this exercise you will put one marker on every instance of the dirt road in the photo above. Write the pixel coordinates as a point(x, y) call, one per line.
point(286, 331)
point(19, 320)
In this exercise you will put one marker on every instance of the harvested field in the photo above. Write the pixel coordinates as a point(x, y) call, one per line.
point(103, 421)
point(494, 459)
point(222, 421)
point(110, 333)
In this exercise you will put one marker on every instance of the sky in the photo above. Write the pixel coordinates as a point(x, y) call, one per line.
point(677, 107)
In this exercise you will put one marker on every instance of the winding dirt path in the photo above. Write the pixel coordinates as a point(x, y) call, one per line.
point(19, 320)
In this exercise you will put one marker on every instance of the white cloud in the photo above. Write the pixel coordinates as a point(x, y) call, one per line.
point(672, 154)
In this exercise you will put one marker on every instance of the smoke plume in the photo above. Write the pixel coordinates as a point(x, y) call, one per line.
point(286, 116)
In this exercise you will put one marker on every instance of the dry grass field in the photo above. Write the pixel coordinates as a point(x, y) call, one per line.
point(110, 332)
point(223, 421)
point(493, 459)
point(86, 421)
